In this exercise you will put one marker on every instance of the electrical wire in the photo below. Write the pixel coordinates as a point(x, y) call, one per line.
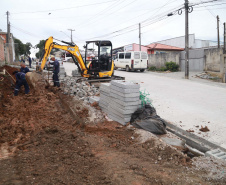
point(86, 22)
point(109, 14)
point(210, 9)
point(211, 5)
point(204, 2)
point(41, 11)
point(146, 22)
point(25, 32)
point(132, 28)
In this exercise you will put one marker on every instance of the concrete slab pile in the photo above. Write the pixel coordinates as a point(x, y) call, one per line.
point(119, 100)
point(104, 96)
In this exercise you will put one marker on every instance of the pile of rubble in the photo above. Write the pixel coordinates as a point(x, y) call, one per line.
point(83, 90)
point(206, 75)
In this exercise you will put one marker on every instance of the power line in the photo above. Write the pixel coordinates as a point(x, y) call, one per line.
point(211, 5)
point(204, 2)
point(41, 11)
point(211, 9)
point(25, 32)
point(96, 15)
point(132, 27)
point(92, 22)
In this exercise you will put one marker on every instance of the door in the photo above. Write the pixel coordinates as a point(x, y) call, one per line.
point(144, 60)
point(128, 60)
point(120, 61)
point(137, 60)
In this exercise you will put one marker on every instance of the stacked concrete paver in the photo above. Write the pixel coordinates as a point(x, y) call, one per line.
point(104, 96)
point(120, 99)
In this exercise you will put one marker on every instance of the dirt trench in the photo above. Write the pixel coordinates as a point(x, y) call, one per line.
point(42, 143)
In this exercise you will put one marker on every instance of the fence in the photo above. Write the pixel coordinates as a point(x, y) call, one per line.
point(211, 59)
point(159, 60)
point(196, 60)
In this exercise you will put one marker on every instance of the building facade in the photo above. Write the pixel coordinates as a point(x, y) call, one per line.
point(2, 49)
point(9, 48)
point(193, 42)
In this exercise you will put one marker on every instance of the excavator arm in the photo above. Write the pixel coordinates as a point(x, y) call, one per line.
point(73, 49)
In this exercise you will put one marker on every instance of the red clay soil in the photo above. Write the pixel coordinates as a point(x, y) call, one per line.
point(41, 143)
point(11, 70)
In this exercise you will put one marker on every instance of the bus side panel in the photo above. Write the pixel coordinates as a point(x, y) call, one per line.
point(144, 60)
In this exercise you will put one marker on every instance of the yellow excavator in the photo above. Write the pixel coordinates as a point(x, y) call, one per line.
point(96, 66)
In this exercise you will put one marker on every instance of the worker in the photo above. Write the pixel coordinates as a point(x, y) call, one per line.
point(20, 80)
point(56, 70)
point(29, 59)
point(23, 68)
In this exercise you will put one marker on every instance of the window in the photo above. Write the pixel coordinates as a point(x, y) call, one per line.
point(121, 55)
point(105, 50)
point(128, 56)
point(136, 55)
point(143, 55)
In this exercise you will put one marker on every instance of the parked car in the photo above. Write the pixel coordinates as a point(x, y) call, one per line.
point(131, 60)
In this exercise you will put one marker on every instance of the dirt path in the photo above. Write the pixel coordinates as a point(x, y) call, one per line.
point(41, 143)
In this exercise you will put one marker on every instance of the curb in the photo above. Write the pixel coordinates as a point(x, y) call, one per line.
point(193, 140)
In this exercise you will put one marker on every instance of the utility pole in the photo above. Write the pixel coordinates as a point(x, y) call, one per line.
point(139, 37)
point(71, 34)
point(186, 41)
point(8, 28)
point(224, 37)
point(218, 33)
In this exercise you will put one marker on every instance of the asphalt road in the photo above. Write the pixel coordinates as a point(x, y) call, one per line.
point(189, 104)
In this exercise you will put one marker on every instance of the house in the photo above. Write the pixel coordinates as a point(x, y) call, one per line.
point(8, 47)
point(3, 35)
point(156, 48)
point(2, 49)
point(130, 47)
point(193, 42)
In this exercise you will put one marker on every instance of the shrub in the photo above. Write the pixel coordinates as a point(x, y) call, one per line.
point(172, 66)
point(152, 68)
point(162, 69)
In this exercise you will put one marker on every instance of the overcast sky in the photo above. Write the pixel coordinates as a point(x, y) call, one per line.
point(115, 20)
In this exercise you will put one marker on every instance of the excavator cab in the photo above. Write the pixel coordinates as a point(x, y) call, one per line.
point(98, 56)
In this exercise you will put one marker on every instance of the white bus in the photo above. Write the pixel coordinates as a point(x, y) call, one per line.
point(131, 60)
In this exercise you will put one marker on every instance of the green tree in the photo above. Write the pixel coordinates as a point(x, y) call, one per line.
point(19, 47)
point(40, 46)
point(27, 46)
